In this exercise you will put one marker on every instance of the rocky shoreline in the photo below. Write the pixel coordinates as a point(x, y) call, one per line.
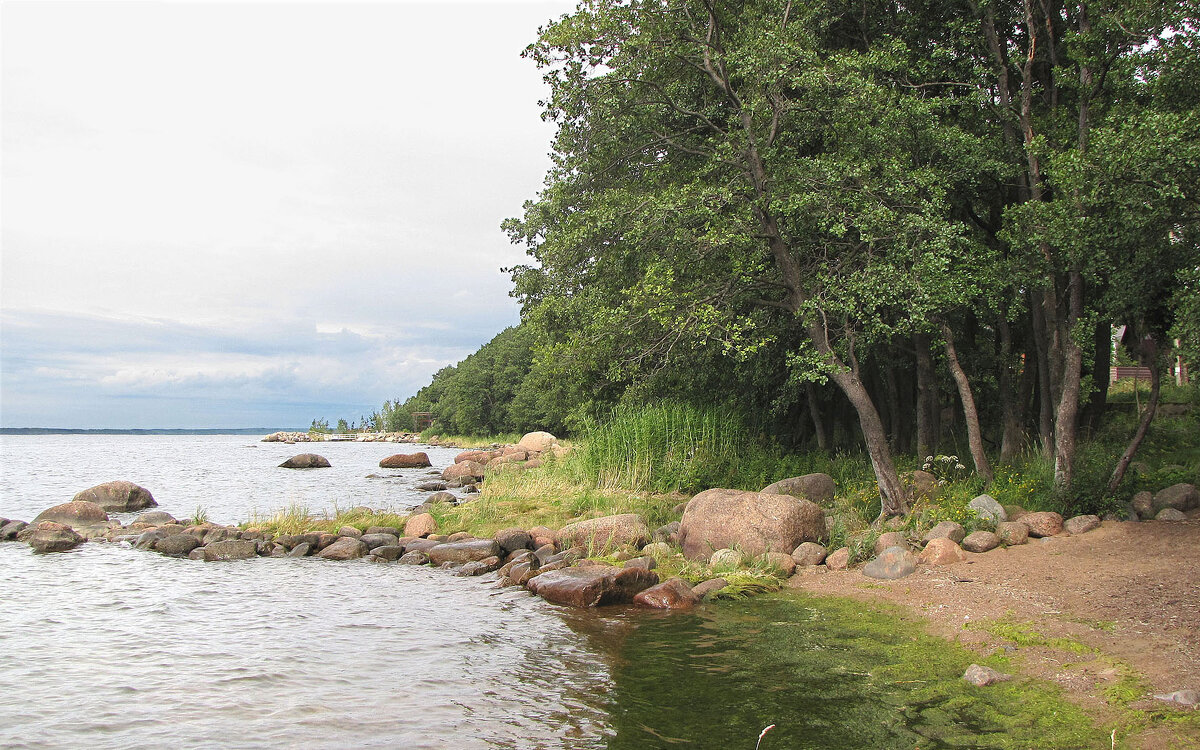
point(617, 559)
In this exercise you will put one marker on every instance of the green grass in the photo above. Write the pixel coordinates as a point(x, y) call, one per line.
point(470, 442)
point(298, 519)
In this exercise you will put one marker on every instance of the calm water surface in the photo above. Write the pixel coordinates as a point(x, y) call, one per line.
point(107, 647)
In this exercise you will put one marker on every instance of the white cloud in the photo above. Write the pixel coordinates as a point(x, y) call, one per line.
point(211, 189)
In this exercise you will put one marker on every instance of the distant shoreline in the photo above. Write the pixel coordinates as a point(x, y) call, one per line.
point(163, 431)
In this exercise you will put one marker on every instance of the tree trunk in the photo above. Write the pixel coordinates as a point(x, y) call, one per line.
point(1093, 412)
point(1011, 407)
point(1066, 414)
point(1143, 425)
point(1045, 397)
point(891, 489)
point(926, 444)
point(970, 413)
point(814, 411)
point(894, 408)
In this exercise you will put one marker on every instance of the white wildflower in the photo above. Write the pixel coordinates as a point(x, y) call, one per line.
point(959, 467)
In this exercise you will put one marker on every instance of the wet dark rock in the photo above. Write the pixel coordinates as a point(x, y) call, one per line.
point(674, 593)
point(76, 514)
point(119, 496)
point(418, 544)
point(479, 567)
point(513, 539)
point(431, 486)
point(156, 517)
point(414, 557)
point(196, 554)
point(345, 548)
point(300, 550)
point(379, 540)
point(325, 539)
point(892, 563)
point(464, 552)
point(176, 545)
point(592, 587)
point(306, 461)
point(229, 549)
point(218, 534)
point(9, 531)
point(545, 552)
point(49, 536)
point(147, 539)
point(388, 551)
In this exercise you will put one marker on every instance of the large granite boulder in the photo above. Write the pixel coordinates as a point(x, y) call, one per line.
point(981, 541)
point(816, 487)
point(1181, 497)
point(605, 532)
point(1012, 532)
point(422, 524)
point(945, 530)
point(119, 496)
point(536, 442)
point(754, 522)
point(809, 553)
point(892, 563)
point(941, 551)
point(592, 586)
point(345, 548)
point(228, 549)
point(464, 552)
point(306, 461)
point(176, 545)
point(464, 470)
point(49, 536)
point(156, 518)
point(78, 514)
point(1081, 524)
point(405, 461)
point(1043, 523)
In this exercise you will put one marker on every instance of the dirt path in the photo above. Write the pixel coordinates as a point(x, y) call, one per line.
point(1128, 591)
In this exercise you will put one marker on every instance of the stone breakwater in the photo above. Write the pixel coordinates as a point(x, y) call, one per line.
point(360, 437)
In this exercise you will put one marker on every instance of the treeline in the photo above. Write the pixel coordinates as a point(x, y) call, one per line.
point(883, 224)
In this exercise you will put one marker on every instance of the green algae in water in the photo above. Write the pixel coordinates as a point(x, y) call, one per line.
point(828, 673)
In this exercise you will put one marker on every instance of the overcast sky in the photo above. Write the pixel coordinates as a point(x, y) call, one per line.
point(236, 215)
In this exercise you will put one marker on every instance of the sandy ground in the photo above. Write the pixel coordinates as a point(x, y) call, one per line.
point(1129, 590)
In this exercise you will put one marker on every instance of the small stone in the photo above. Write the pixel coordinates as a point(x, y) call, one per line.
point(657, 549)
point(300, 550)
point(1043, 524)
point(981, 541)
point(704, 588)
point(513, 539)
point(349, 531)
point(229, 549)
point(177, 545)
point(415, 557)
point(838, 559)
point(986, 507)
point(980, 676)
point(895, 562)
point(1170, 514)
point(946, 530)
point(1012, 533)
point(388, 552)
point(941, 551)
point(1081, 524)
point(460, 536)
point(810, 553)
point(781, 561)
point(1014, 512)
point(306, 461)
point(667, 533)
point(379, 540)
point(725, 559)
point(647, 562)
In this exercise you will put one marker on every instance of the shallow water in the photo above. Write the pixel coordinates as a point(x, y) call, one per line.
point(108, 647)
